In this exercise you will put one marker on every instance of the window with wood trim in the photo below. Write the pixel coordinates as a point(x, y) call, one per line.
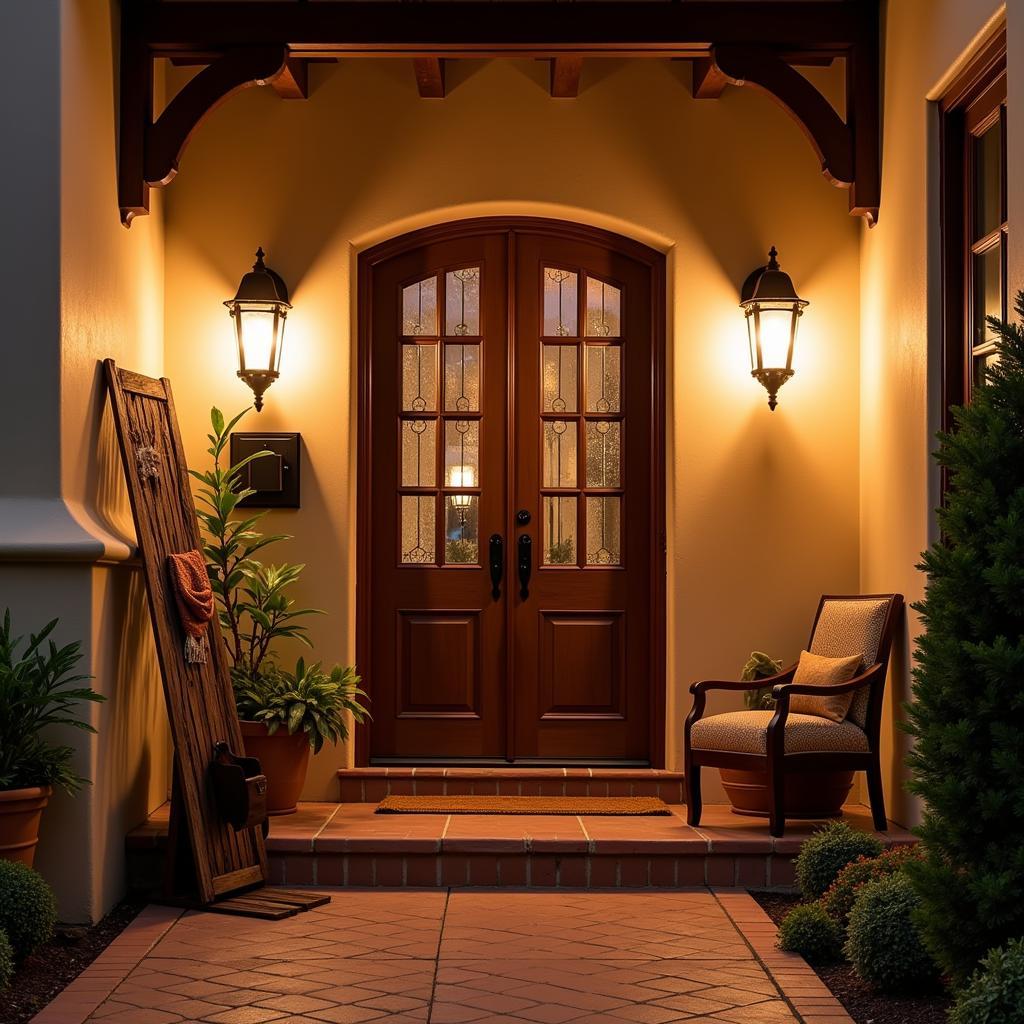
point(974, 221)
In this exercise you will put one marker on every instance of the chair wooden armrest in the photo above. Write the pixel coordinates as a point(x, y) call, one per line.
point(754, 684)
point(783, 691)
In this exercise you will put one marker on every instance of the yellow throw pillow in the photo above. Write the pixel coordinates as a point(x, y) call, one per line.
point(819, 671)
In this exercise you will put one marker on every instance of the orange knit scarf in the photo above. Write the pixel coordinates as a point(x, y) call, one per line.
point(194, 597)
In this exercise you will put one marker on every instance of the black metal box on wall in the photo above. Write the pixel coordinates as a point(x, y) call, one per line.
point(274, 477)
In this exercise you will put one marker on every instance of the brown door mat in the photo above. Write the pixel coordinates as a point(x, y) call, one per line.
point(625, 805)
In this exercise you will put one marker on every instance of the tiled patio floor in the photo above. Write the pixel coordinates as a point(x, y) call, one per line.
point(456, 957)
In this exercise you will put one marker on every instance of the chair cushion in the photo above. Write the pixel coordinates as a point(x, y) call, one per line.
point(746, 732)
point(815, 670)
point(852, 626)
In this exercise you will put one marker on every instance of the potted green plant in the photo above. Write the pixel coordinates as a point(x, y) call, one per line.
point(37, 691)
point(283, 714)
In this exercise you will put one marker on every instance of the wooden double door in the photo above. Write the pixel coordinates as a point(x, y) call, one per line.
point(511, 516)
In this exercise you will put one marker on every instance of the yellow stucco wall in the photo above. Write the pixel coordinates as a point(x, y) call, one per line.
point(762, 506)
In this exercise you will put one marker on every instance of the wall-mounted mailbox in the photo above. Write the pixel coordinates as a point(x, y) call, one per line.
point(274, 477)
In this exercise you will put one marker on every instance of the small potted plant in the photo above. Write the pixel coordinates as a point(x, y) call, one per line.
point(37, 691)
point(283, 714)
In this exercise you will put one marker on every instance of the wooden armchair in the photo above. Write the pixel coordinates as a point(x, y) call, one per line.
point(778, 743)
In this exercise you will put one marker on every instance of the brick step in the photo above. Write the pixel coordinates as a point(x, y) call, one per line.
point(371, 785)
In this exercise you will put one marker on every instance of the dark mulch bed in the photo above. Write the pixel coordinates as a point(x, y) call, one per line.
point(42, 975)
point(863, 1004)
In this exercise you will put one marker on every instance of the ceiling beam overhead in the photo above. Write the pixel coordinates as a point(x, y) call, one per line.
point(429, 77)
point(565, 77)
point(293, 82)
point(708, 81)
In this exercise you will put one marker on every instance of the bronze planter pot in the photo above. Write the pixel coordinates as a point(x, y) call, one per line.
point(284, 760)
point(20, 811)
point(807, 794)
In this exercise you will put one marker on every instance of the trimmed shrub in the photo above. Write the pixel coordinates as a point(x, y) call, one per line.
point(809, 931)
point(838, 900)
point(28, 911)
point(6, 960)
point(995, 993)
point(883, 942)
point(827, 852)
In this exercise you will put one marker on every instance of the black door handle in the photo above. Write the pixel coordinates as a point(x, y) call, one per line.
point(496, 558)
point(525, 546)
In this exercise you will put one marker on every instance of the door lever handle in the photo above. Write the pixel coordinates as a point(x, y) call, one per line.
point(525, 546)
point(496, 558)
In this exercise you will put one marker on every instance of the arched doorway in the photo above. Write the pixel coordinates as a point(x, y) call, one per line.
point(511, 504)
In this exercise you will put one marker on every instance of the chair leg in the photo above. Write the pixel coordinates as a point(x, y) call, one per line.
point(876, 794)
point(777, 798)
point(691, 783)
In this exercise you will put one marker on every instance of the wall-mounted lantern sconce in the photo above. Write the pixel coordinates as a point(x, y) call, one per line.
point(259, 309)
point(462, 476)
point(773, 309)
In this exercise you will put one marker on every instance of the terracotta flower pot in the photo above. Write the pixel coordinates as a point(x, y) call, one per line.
point(807, 794)
point(284, 760)
point(20, 811)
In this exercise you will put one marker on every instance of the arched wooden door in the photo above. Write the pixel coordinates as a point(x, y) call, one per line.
point(511, 534)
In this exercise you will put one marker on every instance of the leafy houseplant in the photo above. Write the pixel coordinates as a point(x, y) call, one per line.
point(38, 690)
point(967, 716)
point(759, 666)
point(561, 552)
point(255, 612)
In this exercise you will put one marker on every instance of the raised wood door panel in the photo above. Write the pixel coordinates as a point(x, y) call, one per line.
point(437, 453)
point(586, 472)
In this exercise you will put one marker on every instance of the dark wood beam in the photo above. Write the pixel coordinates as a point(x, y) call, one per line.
point(429, 77)
point(565, 77)
point(293, 81)
point(708, 82)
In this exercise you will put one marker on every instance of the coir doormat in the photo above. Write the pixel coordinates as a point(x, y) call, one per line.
point(626, 806)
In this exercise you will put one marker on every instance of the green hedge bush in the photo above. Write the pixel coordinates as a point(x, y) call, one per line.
point(995, 993)
point(827, 852)
point(809, 931)
point(28, 911)
point(6, 960)
point(839, 898)
point(883, 942)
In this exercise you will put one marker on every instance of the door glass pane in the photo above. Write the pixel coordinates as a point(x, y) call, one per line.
point(558, 379)
point(604, 453)
point(461, 530)
point(419, 453)
point(560, 315)
point(559, 531)
point(988, 162)
point(462, 301)
point(419, 307)
point(603, 378)
point(987, 292)
point(603, 531)
point(462, 453)
point(461, 377)
point(419, 378)
point(604, 305)
point(418, 528)
point(559, 453)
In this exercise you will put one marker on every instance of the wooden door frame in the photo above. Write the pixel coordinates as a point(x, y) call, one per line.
point(368, 260)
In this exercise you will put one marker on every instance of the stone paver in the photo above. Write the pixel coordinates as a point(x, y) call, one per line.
point(457, 957)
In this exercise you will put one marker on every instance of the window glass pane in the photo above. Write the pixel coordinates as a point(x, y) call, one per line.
point(559, 453)
point(419, 453)
point(603, 531)
point(462, 453)
point(604, 453)
point(559, 377)
point(988, 184)
point(461, 530)
point(419, 378)
point(987, 292)
point(604, 303)
point(419, 307)
point(462, 301)
point(983, 362)
point(461, 378)
point(560, 316)
point(418, 528)
point(559, 531)
point(603, 378)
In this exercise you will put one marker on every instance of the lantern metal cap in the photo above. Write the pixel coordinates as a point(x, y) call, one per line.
point(261, 284)
point(770, 284)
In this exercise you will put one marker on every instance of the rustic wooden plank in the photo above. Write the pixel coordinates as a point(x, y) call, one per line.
point(141, 385)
